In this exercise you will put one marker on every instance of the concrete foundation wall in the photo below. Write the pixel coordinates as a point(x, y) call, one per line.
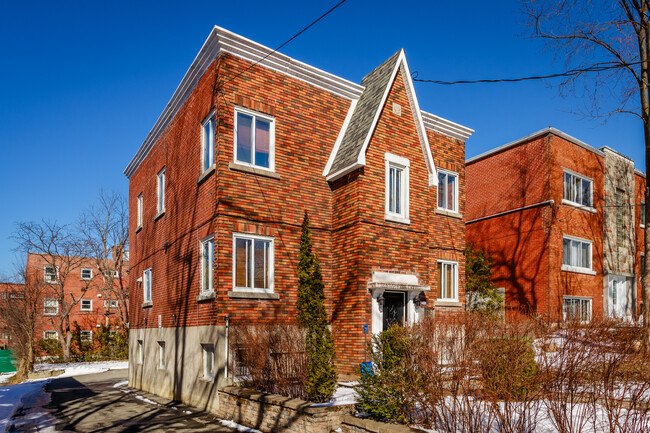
point(182, 377)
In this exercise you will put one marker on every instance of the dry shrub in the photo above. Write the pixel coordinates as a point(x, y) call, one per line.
point(270, 358)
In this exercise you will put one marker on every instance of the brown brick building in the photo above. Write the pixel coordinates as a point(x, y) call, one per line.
point(562, 221)
point(83, 282)
point(218, 191)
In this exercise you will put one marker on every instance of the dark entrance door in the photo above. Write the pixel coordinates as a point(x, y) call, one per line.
point(394, 308)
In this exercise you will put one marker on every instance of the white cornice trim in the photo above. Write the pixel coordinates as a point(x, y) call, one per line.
point(639, 172)
point(446, 127)
point(549, 130)
point(219, 40)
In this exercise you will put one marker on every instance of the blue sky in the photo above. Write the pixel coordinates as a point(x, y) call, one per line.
point(81, 84)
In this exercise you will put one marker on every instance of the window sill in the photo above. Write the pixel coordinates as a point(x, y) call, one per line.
point(396, 219)
point(252, 295)
point(206, 174)
point(252, 170)
point(449, 213)
point(578, 270)
point(147, 304)
point(207, 296)
point(447, 303)
point(579, 206)
point(138, 228)
point(86, 311)
point(159, 214)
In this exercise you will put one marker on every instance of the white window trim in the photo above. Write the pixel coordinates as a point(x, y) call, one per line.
point(641, 225)
point(591, 191)
point(271, 264)
point(210, 289)
point(270, 119)
point(404, 164)
point(161, 182)
point(162, 358)
point(209, 118)
point(107, 305)
point(570, 297)
point(91, 335)
point(144, 285)
point(139, 209)
point(45, 274)
point(81, 305)
point(56, 335)
point(208, 375)
point(455, 207)
point(579, 269)
point(455, 264)
point(81, 274)
point(57, 307)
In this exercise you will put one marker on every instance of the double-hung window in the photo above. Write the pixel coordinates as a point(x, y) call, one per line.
point(207, 143)
point(397, 188)
point(576, 255)
point(448, 280)
point(86, 305)
point(86, 274)
point(254, 139)
point(146, 284)
point(207, 265)
point(642, 214)
point(578, 189)
point(576, 309)
point(50, 274)
point(113, 303)
point(253, 263)
point(447, 190)
point(161, 191)
point(86, 336)
point(50, 307)
point(50, 335)
point(139, 210)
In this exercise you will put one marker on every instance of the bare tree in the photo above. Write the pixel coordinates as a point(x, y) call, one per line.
point(105, 230)
point(60, 252)
point(605, 43)
point(21, 307)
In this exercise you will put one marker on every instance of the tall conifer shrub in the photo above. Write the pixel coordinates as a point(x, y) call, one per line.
point(319, 346)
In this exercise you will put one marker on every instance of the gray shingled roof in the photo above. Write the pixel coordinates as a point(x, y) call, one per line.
point(359, 127)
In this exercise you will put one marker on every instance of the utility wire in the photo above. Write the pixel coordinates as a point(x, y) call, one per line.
point(287, 41)
point(599, 67)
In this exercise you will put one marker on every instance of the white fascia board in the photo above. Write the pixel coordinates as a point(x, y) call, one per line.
point(639, 172)
point(417, 117)
point(339, 139)
point(446, 127)
point(342, 172)
point(220, 40)
point(549, 130)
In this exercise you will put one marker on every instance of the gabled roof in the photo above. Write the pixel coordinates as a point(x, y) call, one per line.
point(349, 151)
point(222, 40)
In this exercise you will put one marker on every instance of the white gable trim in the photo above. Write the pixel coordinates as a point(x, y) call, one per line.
point(339, 139)
point(417, 117)
point(446, 127)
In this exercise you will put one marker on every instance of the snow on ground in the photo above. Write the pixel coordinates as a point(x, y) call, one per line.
point(238, 427)
point(79, 368)
point(344, 394)
point(121, 384)
point(31, 395)
point(4, 377)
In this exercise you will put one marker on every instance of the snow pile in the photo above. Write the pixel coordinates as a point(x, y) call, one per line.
point(240, 428)
point(31, 398)
point(80, 368)
point(344, 394)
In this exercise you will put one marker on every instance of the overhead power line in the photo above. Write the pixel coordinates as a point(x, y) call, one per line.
point(288, 40)
point(599, 67)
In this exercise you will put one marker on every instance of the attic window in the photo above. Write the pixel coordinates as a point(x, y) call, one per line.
point(397, 188)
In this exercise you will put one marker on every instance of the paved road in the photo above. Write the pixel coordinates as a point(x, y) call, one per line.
point(91, 404)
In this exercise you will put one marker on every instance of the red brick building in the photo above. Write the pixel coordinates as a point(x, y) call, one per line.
point(562, 222)
point(83, 282)
point(8, 292)
point(219, 188)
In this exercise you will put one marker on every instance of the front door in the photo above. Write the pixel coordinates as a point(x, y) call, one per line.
point(617, 299)
point(394, 309)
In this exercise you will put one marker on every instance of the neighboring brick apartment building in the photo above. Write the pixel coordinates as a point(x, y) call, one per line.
point(84, 281)
point(216, 211)
point(8, 292)
point(562, 222)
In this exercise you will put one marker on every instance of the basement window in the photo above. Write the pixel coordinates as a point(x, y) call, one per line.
point(208, 361)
